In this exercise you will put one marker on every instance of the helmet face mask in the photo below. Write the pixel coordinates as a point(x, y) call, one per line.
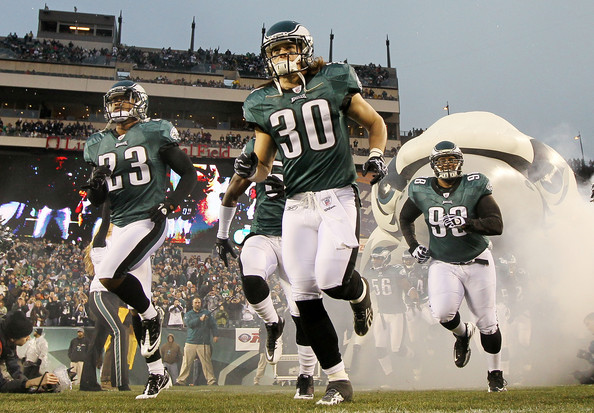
point(126, 91)
point(379, 257)
point(446, 160)
point(287, 33)
point(408, 260)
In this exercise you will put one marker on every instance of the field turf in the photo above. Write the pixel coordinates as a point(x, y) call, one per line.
point(245, 399)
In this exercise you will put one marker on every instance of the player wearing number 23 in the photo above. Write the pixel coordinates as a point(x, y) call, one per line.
point(459, 210)
point(131, 165)
point(302, 114)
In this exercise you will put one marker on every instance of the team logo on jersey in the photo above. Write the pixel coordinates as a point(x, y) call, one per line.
point(124, 143)
point(298, 97)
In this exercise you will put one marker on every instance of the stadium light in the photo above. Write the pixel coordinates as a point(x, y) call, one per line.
point(81, 28)
point(579, 138)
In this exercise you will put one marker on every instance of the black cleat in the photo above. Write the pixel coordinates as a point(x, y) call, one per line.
point(273, 341)
point(496, 381)
point(362, 312)
point(305, 387)
point(151, 336)
point(337, 392)
point(156, 383)
point(462, 347)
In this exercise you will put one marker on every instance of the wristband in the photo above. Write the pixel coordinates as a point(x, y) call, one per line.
point(226, 215)
point(375, 152)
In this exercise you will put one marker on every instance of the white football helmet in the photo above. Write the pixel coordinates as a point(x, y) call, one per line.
point(282, 32)
point(132, 92)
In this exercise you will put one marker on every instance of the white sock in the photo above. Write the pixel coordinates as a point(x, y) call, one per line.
point(493, 361)
point(156, 367)
point(339, 375)
point(265, 309)
point(307, 360)
point(150, 312)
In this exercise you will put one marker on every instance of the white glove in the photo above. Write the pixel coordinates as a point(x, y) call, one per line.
point(453, 221)
point(421, 254)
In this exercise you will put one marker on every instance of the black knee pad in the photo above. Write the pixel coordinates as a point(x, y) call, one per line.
point(453, 323)
point(300, 337)
point(491, 342)
point(351, 288)
point(255, 288)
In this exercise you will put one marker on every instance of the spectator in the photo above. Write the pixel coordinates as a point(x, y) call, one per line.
point(77, 351)
point(201, 328)
point(176, 316)
point(39, 314)
point(172, 356)
point(54, 309)
point(3, 309)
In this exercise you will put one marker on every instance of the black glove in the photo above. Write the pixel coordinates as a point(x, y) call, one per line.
point(98, 177)
point(159, 212)
point(378, 165)
point(246, 164)
point(224, 247)
point(275, 188)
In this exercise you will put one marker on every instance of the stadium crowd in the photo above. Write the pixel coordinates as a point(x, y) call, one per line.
point(48, 282)
point(165, 59)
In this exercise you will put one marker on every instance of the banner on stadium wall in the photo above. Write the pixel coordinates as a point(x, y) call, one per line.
point(247, 339)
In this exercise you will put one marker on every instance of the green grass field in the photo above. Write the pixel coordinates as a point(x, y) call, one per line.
point(238, 399)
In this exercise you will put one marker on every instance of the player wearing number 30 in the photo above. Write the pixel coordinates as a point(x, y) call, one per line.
point(302, 113)
point(131, 167)
point(459, 210)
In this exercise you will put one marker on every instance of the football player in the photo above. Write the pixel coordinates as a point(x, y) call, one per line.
point(389, 285)
point(302, 114)
point(131, 164)
point(260, 257)
point(459, 210)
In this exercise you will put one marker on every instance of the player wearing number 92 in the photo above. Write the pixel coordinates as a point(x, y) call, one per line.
point(459, 210)
point(302, 113)
point(131, 167)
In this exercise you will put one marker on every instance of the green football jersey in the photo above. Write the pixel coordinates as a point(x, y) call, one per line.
point(139, 176)
point(309, 128)
point(451, 245)
point(268, 217)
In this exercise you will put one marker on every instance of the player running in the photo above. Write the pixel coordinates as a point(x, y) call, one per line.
point(131, 165)
point(302, 114)
point(459, 211)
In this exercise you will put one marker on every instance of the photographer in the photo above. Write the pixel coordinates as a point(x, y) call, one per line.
point(15, 329)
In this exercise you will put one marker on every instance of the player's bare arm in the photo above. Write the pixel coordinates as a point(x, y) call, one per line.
point(265, 149)
point(237, 186)
point(361, 112)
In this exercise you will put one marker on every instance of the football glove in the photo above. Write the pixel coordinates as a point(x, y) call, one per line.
point(275, 188)
point(453, 221)
point(98, 177)
point(378, 165)
point(159, 212)
point(246, 164)
point(421, 254)
point(224, 247)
